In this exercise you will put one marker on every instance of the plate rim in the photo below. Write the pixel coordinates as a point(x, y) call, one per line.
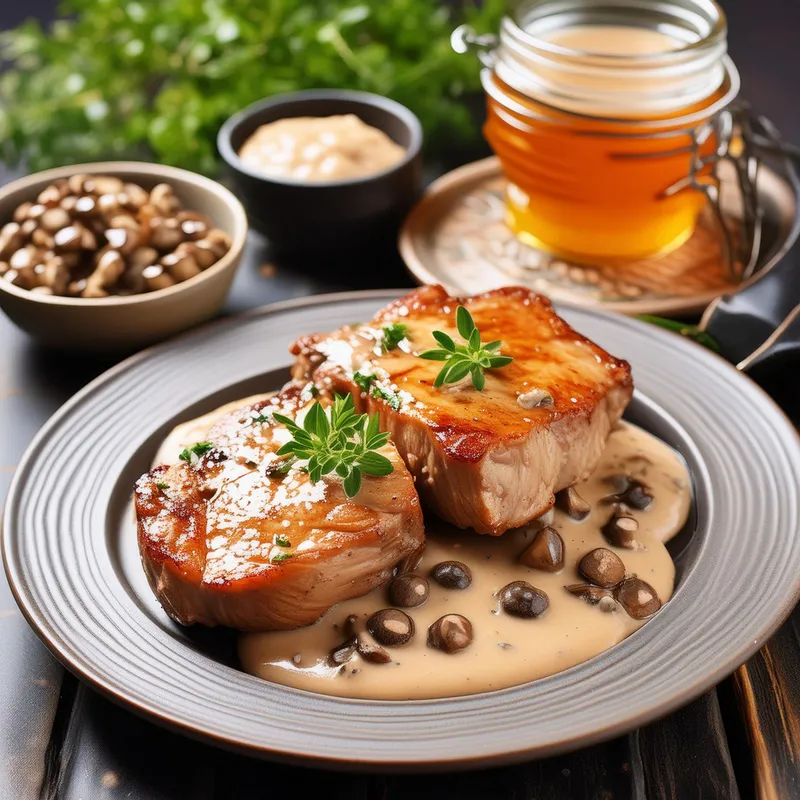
point(205, 731)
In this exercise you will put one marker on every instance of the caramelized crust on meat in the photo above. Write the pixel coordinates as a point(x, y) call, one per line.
point(481, 459)
point(210, 530)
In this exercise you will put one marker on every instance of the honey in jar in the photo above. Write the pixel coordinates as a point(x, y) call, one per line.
point(602, 115)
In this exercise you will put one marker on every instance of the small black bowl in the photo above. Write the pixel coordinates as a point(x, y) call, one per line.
point(348, 214)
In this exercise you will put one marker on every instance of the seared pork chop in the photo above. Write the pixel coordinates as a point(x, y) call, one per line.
point(489, 460)
point(228, 539)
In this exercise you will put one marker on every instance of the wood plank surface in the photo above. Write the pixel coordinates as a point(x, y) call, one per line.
point(768, 687)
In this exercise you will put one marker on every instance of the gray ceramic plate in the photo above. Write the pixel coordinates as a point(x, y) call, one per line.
point(70, 551)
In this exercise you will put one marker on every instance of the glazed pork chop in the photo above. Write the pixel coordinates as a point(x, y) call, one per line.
point(230, 538)
point(492, 459)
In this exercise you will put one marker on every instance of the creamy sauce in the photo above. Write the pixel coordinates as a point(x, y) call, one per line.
point(506, 651)
point(196, 430)
point(613, 40)
point(320, 149)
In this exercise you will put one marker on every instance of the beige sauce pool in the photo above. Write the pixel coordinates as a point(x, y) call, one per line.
point(320, 149)
point(506, 650)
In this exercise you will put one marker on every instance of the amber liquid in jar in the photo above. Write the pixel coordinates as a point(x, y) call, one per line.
point(593, 186)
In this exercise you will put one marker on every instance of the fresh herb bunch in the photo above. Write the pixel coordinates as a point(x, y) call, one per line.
point(471, 358)
point(156, 79)
point(340, 441)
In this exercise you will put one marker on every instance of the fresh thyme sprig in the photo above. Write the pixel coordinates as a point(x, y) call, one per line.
point(471, 358)
point(339, 441)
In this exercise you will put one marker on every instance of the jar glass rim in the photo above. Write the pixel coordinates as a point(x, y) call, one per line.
point(648, 127)
point(719, 28)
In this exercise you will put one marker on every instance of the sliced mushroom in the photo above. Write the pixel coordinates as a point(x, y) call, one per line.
point(21, 212)
point(135, 196)
point(109, 269)
point(572, 504)
point(204, 253)
point(76, 183)
point(56, 275)
point(143, 257)
point(102, 184)
point(180, 267)
point(163, 197)
point(125, 239)
point(219, 240)
point(26, 257)
point(50, 196)
point(165, 234)
point(68, 239)
point(41, 238)
point(156, 277)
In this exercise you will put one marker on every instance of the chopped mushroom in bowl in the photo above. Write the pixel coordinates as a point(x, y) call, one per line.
point(114, 256)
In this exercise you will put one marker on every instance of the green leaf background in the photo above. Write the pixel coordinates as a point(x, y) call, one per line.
point(147, 79)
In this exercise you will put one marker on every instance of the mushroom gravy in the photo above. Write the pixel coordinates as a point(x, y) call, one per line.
point(320, 149)
point(505, 650)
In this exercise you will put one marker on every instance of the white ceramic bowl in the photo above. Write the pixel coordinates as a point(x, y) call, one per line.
point(131, 322)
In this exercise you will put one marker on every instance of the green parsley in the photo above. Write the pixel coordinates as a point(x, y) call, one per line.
point(198, 449)
point(260, 419)
point(471, 358)
point(363, 380)
point(282, 541)
point(392, 336)
point(161, 485)
point(340, 441)
point(278, 557)
point(392, 398)
point(367, 384)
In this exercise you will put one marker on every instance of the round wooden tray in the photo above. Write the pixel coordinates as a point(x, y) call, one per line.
point(456, 236)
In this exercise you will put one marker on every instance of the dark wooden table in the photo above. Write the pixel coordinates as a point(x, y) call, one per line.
point(59, 739)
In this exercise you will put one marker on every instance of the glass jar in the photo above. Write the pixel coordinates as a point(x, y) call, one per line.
point(602, 113)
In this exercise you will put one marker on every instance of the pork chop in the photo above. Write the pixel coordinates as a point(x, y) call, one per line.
point(493, 459)
point(227, 538)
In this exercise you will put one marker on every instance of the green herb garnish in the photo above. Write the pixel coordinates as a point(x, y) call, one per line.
point(367, 384)
point(280, 466)
point(161, 485)
point(278, 557)
point(339, 441)
point(392, 398)
point(684, 329)
point(282, 541)
point(260, 419)
point(471, 358)
point(311, 389)
point(392, 336)
point(198, 449)
point(363, 381)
